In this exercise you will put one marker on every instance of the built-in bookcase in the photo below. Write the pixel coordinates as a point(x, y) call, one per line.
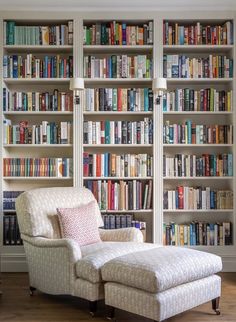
point(198, 134)
point(36, 116)
point(118, 119)
point(110, 154)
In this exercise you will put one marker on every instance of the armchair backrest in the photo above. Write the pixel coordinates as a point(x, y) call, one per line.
point(37, 209)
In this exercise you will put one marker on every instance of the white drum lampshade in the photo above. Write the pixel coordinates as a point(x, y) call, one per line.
point(159, 85)
point(76, 84)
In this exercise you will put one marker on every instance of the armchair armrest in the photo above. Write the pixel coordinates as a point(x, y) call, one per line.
point(42, 242)
point(124, 234)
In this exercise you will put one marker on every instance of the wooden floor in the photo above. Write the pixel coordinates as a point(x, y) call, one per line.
point(16, 305)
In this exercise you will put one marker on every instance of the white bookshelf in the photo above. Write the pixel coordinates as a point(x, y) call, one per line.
point(186, 216)
point(12, 258)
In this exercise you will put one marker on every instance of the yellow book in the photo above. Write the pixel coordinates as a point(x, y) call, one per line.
point(45, 35)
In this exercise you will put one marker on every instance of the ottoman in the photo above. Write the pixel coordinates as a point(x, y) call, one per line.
point(162, 282)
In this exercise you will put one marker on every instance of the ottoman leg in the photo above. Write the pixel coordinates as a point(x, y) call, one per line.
point(92, 307)
point(110, 312)
point(32, 290)
point(215, 305)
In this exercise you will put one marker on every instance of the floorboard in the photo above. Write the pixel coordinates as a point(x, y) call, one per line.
point(16, 305)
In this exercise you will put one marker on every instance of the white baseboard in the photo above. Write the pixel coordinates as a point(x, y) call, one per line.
point(13, 263)
point(17, 263)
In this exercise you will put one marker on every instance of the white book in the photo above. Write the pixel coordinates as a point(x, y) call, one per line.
point(64, 134)
point(98, 133)
point(94, 165)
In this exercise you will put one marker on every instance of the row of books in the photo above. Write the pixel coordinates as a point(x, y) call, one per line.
point(198, 234)
point(182, 66)
point(118, 99)
point(36, 101)
point(118, 132)
point(117, 221)
point(121, 195)
point(198, 34)
point(190, 198)
point(118, 33)
point(61, 34)
point(191, 165)
point(37, 167)
point(206, 99)
point(118, 66)
point(29, 66)
point(44, 133)
point(9, 199)
point(11, 232)
point(190, 133)
point(117, 165)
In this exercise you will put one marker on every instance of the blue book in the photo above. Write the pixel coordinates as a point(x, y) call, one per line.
point(230, 164)
point(15, 66)
point(146, 100)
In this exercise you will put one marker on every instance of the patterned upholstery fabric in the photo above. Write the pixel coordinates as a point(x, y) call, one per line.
point(124, 234)
point(89, 267)
point(162, 268)
point(36, 209)
point(80, 224)
point(165, 304)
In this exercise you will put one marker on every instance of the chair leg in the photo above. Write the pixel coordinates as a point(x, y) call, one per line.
point(110, 312)
point(215, 305)
point(31, 290)
point(92, 307)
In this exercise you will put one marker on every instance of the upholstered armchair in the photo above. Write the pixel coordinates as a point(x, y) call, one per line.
point(61, 266)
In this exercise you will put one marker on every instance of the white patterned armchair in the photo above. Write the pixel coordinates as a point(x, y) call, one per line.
point(61, 266)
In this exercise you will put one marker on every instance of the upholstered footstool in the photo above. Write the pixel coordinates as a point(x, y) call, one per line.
point(162, 282)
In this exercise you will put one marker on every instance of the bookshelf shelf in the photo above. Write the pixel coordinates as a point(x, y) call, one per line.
point(9, 211)
point(197, 113)
point(126, 113)
point(196, 145)
point(197, 210)
point(100, 81)
point(133, 146)
point(35, 81)
point(199, 178)
point(197, 48)
point(44, 113)
point(173, 81)
point(118, 178)
point(127, 211)
point(38, 178)
point(41, 146)
point(37, 48)
point(117, 48)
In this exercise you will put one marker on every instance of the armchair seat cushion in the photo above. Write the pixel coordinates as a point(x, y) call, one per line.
point(96, 255)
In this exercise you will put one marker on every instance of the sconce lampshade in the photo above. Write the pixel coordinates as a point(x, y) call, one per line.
point(76, 84)
point(159, 84)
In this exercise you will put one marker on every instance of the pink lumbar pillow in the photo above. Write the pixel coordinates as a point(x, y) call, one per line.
point(79, 224)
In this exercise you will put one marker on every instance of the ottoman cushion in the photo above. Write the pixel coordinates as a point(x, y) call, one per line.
point(159, 269)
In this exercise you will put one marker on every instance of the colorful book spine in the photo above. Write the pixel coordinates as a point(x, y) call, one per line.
point(29, 66)
point(114, 165)
point(118, 132)
point(37, 167)
point(182, 66)
point(118, 99)
point(118, 66)
point(37, 102)
point(44, 133)
point(191, 165)
point(198, 34)
point(60, 34)
point(195, 198)
point(118, 33)
point(190, 133)
point(198, 233)
point(121, 195)
point(204, 100)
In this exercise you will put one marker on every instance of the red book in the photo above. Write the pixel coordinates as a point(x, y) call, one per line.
point(113, 196)
point(119, 99)
point(98, 165)
point(180, 197)
point(109, 194)
point(102, 132)
point(23, 125)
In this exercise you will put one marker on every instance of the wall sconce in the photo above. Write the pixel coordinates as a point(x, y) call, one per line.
point(159, 86)
point(77, 85)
